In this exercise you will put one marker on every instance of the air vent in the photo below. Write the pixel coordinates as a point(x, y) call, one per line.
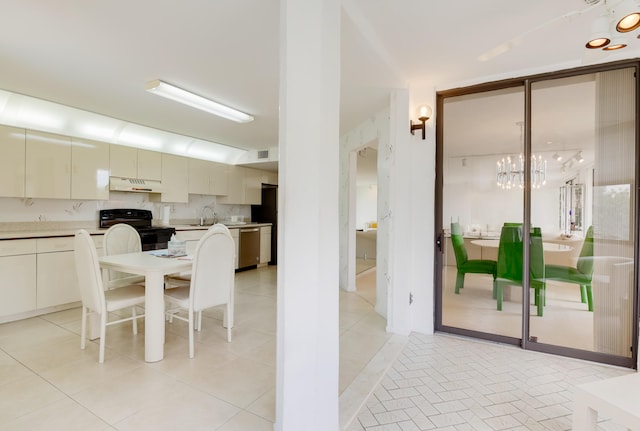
point(263, 154)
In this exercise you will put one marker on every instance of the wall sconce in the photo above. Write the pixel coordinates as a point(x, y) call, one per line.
point(424, 113)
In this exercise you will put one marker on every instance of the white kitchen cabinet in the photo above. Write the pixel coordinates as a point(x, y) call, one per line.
point(252, 186)
point(56, 274)
point(149, 165)
point(207, 178)
point(199, 176)
point(17, 276)
point(12, 162)
point(268, 177)
point(48, 166)
point(218, 179)
point(191, 237)
point(129, 162)
point(244, 186)
point(175, 179)
point(89, 169)
point(123, 161)
point(265, 244)
point(235, 189)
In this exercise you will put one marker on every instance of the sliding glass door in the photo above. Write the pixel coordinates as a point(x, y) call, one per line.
point(483, 139)
point(549, 163)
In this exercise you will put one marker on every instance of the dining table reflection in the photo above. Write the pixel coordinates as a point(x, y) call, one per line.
point(489, 249)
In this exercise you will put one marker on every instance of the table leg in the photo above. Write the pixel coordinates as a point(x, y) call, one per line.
point(154, 317)
point(584, 418)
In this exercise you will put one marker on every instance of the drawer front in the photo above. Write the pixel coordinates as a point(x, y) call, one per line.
point(49, 245)
point(15, 247)
point(190, 235)
point(98, 240)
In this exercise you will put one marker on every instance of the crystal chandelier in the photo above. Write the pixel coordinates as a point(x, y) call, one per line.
point(510, 173)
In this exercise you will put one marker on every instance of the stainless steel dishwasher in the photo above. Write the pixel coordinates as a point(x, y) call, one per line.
point(249, 253)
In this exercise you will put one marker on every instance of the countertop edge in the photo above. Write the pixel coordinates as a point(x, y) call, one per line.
point(68, 232)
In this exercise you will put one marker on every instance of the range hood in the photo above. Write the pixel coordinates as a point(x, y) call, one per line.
point(134, 185)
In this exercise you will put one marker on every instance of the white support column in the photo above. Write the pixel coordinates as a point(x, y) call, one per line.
point(308, 334)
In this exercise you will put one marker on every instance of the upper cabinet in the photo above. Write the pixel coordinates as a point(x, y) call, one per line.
point(253, 186)
point(48, 166)
point(89, 169)
point(12, 162)
point(245, 185)
point(207, 178)
point(129, 162)
point(175, 179)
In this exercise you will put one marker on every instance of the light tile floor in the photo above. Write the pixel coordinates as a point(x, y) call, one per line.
point(452, 383)
point(437, 382)
point(48, 383)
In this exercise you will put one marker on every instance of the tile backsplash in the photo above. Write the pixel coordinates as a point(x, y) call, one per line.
point(62, 210)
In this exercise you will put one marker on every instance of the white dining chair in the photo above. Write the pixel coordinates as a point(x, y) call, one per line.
point(212, 282)
point(95, 300)
point(119, 239)
point(184, 278)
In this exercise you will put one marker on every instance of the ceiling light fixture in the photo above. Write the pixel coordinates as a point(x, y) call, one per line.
point(176, 94)
point(606, 30)
point(579, 157)
point(557, 157)
point(628, 15)
point(424, 113)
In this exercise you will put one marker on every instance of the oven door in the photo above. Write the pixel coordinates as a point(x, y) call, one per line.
point(149, 241)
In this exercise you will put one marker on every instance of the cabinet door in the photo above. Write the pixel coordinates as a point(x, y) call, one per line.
point(218, 179)
point(191, 237)
point(199, 176)
point(56, 286)
point(48, 166)
point(89, 169)
point(175, 179)
point(149, 165)
point(265, 244)
point(12, 162)
point(123, 161)
point(235, 190)
point(253, 187)
point(17, 276)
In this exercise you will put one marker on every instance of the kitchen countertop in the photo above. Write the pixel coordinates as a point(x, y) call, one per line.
point(28, 230)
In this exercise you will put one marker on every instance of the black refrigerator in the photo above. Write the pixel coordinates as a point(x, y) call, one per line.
point(268, 213)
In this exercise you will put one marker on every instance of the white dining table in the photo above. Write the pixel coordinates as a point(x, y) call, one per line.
point(154, 268)
point(546, 246)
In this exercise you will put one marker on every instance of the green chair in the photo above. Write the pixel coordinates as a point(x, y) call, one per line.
point(510, 260)
point(581, 274)
point(466, 265)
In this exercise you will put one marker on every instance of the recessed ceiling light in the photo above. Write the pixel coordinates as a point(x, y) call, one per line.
point(176, 94)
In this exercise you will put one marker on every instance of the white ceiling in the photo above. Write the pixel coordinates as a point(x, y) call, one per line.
point(98, 56)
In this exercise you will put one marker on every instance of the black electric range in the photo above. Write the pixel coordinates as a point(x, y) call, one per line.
point(152, 238)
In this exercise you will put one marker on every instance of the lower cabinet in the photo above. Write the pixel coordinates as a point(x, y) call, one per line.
point(17, 276)
point(56, 286)
point(193, 236)
point(265, 244)
point(37, 275)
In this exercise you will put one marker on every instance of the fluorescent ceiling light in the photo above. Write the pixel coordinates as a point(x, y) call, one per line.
point(169, 91)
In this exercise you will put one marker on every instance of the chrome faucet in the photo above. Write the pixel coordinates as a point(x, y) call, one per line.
point(203, 219)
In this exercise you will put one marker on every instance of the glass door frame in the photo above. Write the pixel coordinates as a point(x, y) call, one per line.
point(439, 246)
